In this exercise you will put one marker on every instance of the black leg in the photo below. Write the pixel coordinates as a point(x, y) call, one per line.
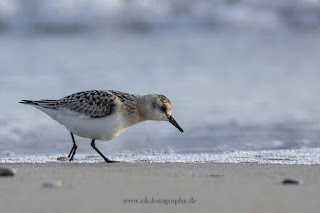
point(93, 144)
point(73, 149)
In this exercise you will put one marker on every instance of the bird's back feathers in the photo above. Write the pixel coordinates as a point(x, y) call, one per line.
point(94, 103)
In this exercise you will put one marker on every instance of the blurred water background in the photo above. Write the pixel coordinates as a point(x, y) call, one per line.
point(243, 76)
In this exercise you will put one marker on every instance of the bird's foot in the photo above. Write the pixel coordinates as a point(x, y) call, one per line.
point(111, 161)
point(72, 153)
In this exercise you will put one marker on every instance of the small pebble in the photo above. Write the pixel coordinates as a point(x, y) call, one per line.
point(53, 184)
point(291, 181)
point(92, 156)
point(214, 175)
point(62, 158)
point(6, 172)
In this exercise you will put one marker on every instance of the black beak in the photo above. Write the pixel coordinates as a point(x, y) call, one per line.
point(174, 123)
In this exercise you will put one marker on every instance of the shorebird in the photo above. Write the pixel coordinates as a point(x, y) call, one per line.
point(104, 114)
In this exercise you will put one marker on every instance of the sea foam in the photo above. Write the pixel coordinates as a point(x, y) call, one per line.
point(305, 156)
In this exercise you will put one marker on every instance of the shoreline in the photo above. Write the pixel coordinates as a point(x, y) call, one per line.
point(221, 187)
point(303, 156)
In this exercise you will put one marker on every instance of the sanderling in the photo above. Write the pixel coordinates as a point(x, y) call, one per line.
point(103, 115)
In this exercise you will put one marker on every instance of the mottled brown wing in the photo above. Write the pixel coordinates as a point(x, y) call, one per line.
point(95, 103)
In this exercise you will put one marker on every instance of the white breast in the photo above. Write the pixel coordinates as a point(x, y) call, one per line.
point(105, 128)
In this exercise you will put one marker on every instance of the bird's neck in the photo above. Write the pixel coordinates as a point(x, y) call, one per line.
point(145, 108)
point(137, 111)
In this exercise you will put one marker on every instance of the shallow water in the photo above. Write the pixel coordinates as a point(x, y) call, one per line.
point(96, 15)
point(253, 92)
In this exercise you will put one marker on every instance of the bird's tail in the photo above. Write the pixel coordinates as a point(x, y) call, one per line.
point(28, 102)
point(43, 103)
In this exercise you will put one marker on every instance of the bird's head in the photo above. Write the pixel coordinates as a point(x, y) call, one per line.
point(159, 109)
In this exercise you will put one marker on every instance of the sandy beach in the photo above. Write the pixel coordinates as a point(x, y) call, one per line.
point(160, 187)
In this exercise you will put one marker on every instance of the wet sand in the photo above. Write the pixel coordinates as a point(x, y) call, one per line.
point(159, 187)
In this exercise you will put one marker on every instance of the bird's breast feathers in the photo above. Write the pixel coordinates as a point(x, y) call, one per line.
point(105, 128)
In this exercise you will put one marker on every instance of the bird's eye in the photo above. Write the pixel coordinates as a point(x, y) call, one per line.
point(164, 109)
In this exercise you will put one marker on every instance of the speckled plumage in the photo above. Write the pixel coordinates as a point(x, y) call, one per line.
point(93, 103)
point(164, 99)
point(104, 114)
